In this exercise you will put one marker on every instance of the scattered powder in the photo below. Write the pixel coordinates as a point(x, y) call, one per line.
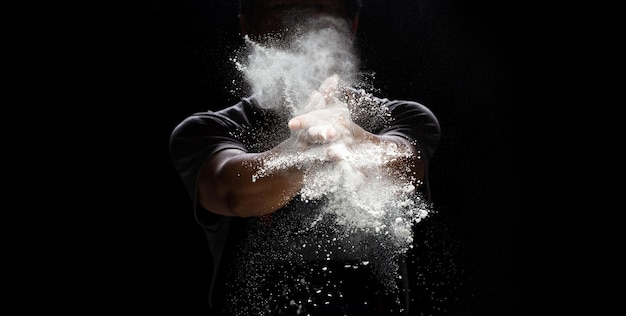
point(351, 210)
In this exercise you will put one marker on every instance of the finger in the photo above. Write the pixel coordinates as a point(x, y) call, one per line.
point(322, 134)
point(334, 102)
point(294, 124)
point(306, 120)
point(317, 101)
point(329, 85)
point(334, 115)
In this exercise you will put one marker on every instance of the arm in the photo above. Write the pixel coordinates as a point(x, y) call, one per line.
point(229, 184)
point(404, 160)
point(226, 186)
point(412, 167)
point(340, 136)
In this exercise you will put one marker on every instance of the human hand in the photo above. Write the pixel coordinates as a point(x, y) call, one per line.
point(327, 124)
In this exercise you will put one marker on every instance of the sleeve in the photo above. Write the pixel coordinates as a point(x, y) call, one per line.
point(416, 123)
point(193, 142)
point(419, 125)
point(408, 119)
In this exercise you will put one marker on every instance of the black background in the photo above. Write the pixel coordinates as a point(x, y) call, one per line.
point(462, 60)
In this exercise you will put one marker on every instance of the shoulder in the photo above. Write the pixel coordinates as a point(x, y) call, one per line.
point(230, 117)
point(397, 108)
point(413, 109)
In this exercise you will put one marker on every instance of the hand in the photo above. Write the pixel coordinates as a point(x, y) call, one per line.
point(327, 123)
point(317, 126)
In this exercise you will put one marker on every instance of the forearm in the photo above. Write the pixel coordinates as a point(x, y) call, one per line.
point(408, 162)
point(332, 127)
point(229, 185)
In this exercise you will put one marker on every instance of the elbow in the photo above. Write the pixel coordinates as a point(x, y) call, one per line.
point(236, 208)
point(225, 206)
point(241, 207)
point(233, 206)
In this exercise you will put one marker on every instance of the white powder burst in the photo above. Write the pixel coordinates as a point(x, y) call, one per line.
point(362, 195)
point(283, 73)
point(352, 207)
